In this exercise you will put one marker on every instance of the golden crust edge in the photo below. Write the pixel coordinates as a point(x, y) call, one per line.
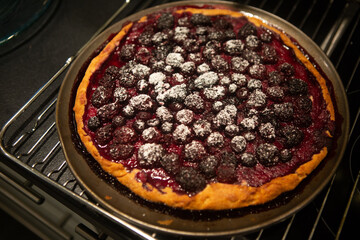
point(227, 196)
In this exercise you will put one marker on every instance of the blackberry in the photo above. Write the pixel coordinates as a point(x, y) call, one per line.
point(231, 130)
point(188, 68)
point(242, 93)
point(226, 173)
point(200, 19)
point(246, 30)
point(234, 47)
point(229, 34)
point(143, 55)
point(160, 39)
point(151, 134)
point(165, 21)
point(145, 37)
point(121, 151)
point(191, 45)
point(112, 71)
point(144, 115)
point(238, 143)
point(239, 64)
point(103, 135)
point(303, 120)
point(287, 69)
point(93, 123)
point(266, 37)
point(257, 71)
point(285, 155)
point(251, 56)
point(124, 134)
point(248, 160)
point(190, 179)
point(269, 54)
point(267, 154)
point(118, 121)
point(304, 104)
point(194, 151)
point(150, 154)
point(284, 111)
point(228, 158)
point(275, 78)
point(127, 79)
point(276, 93)
point(127, 52)
point(108, 112)
point(107, 81)
point(101, 96)
point(217, 35)
point(222, 24)
point(138, 125)
point(202, 128)
point(160, 52)
point(297, 86)
point(171, 163)
point(292, 136)
point(208, 166)
point(120, 94)
point(219, 63)
point(252, 42)
point(267, 131)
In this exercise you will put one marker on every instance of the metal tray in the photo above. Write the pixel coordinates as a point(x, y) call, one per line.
point(200, 223)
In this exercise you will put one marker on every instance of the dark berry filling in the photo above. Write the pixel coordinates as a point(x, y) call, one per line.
point(191, 99)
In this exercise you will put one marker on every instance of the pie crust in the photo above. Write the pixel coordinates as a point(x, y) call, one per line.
point(216, 195)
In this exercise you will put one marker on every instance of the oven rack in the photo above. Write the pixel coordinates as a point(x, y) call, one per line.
point(30, 141)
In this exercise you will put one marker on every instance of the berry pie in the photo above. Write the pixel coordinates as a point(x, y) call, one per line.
point(205, 108)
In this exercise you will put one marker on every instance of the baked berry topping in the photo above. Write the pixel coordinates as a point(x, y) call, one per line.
point(202, 99)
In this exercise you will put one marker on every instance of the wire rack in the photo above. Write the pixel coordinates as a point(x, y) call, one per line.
point(30, 141)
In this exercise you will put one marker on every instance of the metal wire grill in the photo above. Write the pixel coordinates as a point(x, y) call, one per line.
point(30, 138)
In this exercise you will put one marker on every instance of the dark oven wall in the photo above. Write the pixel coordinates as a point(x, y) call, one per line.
point(37, 64)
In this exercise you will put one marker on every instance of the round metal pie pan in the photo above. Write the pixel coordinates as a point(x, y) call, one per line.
point(195, 223)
